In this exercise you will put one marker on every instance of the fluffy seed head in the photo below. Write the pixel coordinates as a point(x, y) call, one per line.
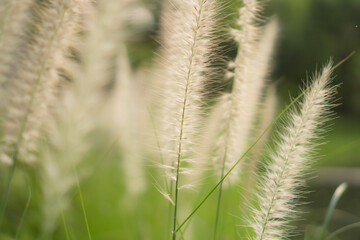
point(251, 68)
point(30, 90)
point(187, 51)
point(281, 185)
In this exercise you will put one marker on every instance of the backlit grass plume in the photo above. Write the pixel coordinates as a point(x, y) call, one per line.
point(187, 55)
point(107, 30)
point(31, 88)
point(266, 115)
point(281, 185)
point(251, 68)
point(126, 114)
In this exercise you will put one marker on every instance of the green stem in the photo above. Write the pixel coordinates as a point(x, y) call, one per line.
point(340, 190)
point(219, 199)
point(83, 205)
point(65, 226)
point(343, 229)
point(5, 194)
point(187, 78)
point(18, 231)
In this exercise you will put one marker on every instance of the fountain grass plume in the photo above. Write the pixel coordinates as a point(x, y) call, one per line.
point(251, 69)
point(266, 115)
point(187, 54)
point(31, 90)
point(126, 113)
point(280, 187)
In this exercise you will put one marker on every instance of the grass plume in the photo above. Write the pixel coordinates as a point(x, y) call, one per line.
point(281, 185)
point(187, 54)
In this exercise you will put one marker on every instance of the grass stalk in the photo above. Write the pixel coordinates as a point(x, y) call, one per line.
point(83, 205)
point(340, 190)
point(178, 168)
point(219, 197)
point(65, 226)
point(187, 79)
point(21, 223)
point(343, 229)
point(5, 193)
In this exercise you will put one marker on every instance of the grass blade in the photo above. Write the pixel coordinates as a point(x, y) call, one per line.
point(65, 226)
point(219, 198)
point(343, 229)
point(340, 190)
point(18, 231)
point(83, 205)
point(5, 193)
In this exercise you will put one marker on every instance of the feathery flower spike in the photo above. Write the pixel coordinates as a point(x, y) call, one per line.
point(187, 54)
point(31, 91)
point(251, 69)
point(187, 51)
point(281, 185)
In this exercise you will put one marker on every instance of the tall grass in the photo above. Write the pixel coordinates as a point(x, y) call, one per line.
point(75, 109)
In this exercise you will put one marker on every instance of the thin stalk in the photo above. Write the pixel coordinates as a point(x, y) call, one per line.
point(18, 231)
point(178, 167)
point(65, 226)
point(198, 19)
point(5, 194)
point(343, 229)
point(219, 196)
point(83, 205)
point(224, 161)
point(181, 232)
point(237, 236)
point(340, 190)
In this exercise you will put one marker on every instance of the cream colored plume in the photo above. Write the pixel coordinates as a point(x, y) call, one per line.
point(282, 183)
point(251, 68)
point(186, 52)
point(31, 89)
point(127, 113)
